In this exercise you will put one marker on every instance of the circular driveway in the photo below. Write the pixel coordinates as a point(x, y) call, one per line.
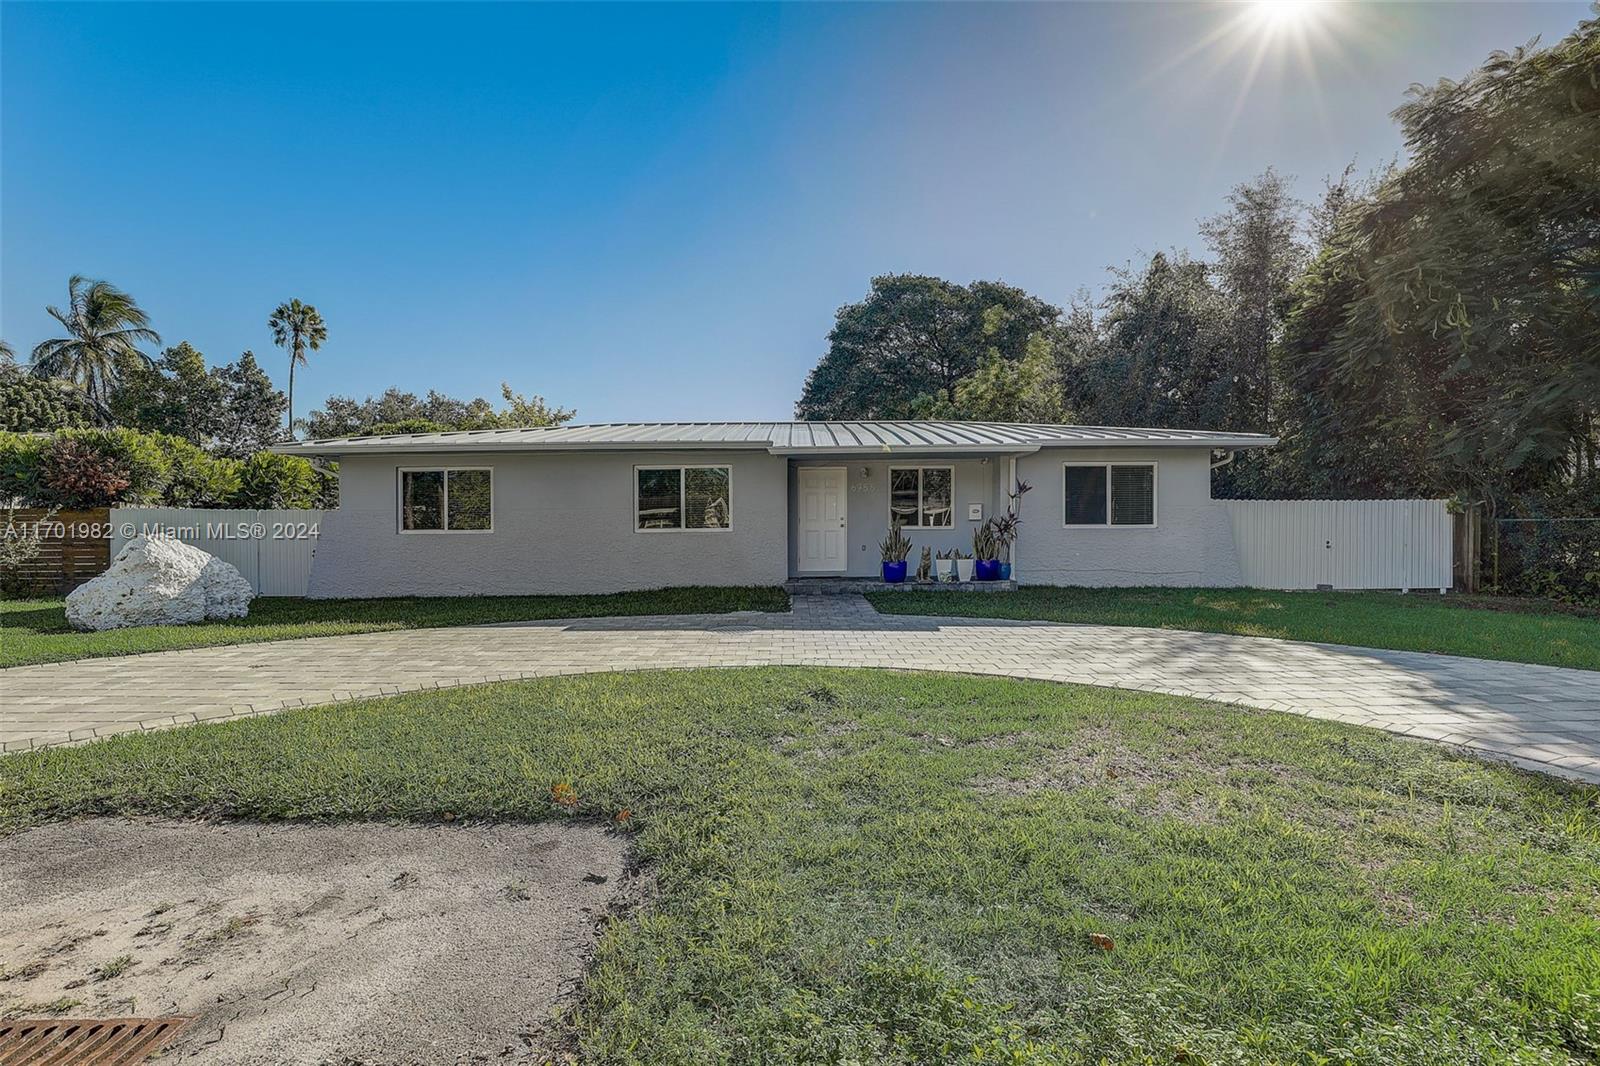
point(1543, 717)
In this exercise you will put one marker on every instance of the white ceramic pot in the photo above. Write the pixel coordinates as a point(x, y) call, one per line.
point(964, 569)
point(944, 569)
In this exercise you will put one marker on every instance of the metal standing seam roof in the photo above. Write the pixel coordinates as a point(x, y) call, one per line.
point(781, 438)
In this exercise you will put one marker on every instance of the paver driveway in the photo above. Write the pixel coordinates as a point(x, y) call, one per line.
point(1541, 716)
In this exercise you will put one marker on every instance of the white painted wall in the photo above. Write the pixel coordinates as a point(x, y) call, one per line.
point(563, 523)
point(1191, 543)
point(1346, 544)
point(976, 482)
point(272, 549)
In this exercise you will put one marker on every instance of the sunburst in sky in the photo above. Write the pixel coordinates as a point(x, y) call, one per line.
point(1298, 41)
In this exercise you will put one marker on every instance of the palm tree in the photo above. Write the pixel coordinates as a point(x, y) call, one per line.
point(105, 327)
point(296, 326)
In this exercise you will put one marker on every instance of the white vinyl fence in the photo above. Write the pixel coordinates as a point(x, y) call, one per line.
point(1345, 544)
point(272, 549)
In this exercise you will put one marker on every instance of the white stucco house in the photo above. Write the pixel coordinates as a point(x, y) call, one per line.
point(603, 508)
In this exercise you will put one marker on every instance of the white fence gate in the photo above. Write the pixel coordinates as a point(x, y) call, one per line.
point(1345, 544)
point(272, 549)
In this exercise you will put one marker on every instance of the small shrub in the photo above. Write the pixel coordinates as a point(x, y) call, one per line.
point(77, 474)
point(139, 457)
point(141, 454)
point(20, 479)
point(197, 479)
point(269, 480)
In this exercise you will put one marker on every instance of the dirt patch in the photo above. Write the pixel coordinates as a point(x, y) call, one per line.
point(1096, 758)
point(1154, 785)
point(309, 944)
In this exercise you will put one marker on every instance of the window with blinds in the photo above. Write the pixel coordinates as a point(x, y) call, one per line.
point(668, 498)
point(1133, 495)
point(1109, 494)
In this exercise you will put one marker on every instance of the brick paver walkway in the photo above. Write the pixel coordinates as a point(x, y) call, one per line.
point(1540, 716)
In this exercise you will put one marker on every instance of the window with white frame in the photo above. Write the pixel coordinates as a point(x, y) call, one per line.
point(682, 497)
point(922, 497)
point(1110, 494)
point(447, 500)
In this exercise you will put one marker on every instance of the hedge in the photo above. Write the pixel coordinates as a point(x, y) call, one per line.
point(1548, 545)
point(104, 467)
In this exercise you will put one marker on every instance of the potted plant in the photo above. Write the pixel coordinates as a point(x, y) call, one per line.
point(963, 565)
point(944, 566)
point(893, 551)
point(986, 550)
point(1013, 519)
point(1003, 531)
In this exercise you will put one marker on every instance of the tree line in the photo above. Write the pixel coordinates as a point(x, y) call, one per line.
point(99, 375)
point(92, 420)
point(1432, 329)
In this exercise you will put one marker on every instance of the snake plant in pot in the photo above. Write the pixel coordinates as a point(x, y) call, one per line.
point(986, 550)
point(893, 550)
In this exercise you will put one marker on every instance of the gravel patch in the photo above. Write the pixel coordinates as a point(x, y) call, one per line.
point(341, 944)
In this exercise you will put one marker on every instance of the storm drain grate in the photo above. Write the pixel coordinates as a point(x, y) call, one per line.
point(85, 1041)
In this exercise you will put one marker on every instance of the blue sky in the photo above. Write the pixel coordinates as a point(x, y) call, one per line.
point(650, 212)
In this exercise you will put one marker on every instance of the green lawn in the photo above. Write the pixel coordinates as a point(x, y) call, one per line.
point(36, 631)
point(1477, 626)
point(865, 866)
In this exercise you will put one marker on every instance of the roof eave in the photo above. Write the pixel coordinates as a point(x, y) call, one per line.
point(916, 450)
point(336, 449)
point(1214, 443)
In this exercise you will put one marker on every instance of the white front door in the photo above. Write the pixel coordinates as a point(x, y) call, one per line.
point(822, 529)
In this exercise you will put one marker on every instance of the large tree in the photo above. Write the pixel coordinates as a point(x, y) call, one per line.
point(1257, 254)
point(33, 404)
point(252, 410)
point(1158, 355)
point(1455, 317)
point(104, 330)
point(175, 394)
point(913, 340)
point(296, 326)
point(232, 410)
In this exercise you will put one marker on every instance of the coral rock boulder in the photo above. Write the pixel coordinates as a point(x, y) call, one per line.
point(156, 581)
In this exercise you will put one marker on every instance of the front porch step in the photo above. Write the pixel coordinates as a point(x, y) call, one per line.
point(850, 586)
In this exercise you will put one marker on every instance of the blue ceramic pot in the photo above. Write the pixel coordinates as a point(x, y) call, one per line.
point(894, 573)
point(987, 570)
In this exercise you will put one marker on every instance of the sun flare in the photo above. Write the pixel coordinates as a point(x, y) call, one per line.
point(1285, 46)
point(1276, 16)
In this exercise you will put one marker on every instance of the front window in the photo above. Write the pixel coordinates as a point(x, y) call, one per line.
point(683, 497)
point(446, 501)
point(1111, 494)
point(922, 497)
